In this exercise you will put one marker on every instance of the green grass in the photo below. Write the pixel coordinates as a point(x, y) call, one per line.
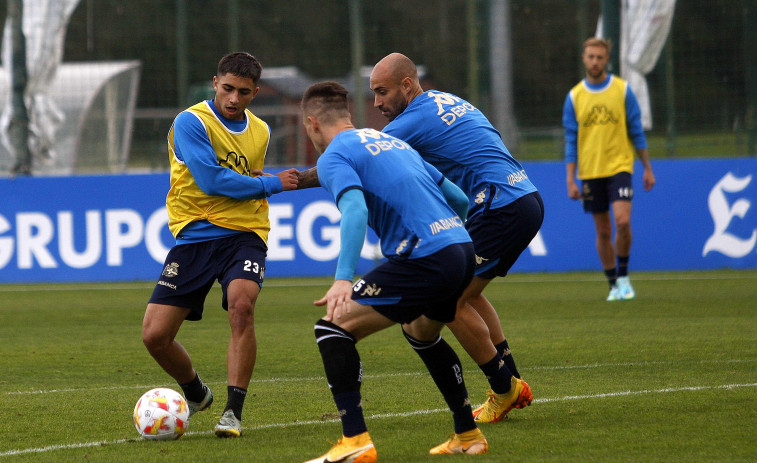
point(549, 145)
point(669, 376)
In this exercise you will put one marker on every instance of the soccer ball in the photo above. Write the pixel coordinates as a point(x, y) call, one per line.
point(161, 414)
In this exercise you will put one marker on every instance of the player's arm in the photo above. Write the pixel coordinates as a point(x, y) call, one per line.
point(308, 179)
point(456, 198)
point(571, 147)
point(636, 133)
point(194, 149)
point(352, 233)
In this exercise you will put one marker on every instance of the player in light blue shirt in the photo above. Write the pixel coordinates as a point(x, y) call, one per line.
point(379, 180)
point(459, 140)
point(506, 210)
point(405, 206)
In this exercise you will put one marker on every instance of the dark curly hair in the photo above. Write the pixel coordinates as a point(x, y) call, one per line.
point(240, 64)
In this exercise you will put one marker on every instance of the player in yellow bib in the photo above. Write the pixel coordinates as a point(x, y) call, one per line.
point(218, 212)
point(602, 121)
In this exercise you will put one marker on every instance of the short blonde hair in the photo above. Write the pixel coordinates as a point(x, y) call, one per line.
point(598, 42)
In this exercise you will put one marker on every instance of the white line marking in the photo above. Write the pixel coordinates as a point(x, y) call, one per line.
point(389, 375)
point(51, 448)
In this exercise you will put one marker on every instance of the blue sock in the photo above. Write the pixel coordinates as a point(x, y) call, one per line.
point(235, 401)
point(497, 374)
point(612, 276)
point(194, 390)
point(504, 350)
point(623, 266)
point(350, 406)
point(344, 373)
point(444, 365)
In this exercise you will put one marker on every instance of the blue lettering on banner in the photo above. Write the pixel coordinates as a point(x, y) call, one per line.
point(114, 227)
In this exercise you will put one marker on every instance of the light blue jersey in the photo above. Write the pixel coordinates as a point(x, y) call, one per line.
point(455, 137)
point(406, 208)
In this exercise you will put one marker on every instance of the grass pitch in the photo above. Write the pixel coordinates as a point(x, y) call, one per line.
point(669, 376)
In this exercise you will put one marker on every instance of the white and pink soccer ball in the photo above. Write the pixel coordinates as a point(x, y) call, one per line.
point(161, 414)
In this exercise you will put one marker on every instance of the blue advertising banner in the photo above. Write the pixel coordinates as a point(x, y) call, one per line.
point(700, 215)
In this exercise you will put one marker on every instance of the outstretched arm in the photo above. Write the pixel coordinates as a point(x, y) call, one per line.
point(308, 179)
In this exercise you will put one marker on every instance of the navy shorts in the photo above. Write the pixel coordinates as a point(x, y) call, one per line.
point(404, 289)
point(500, 235)
point(598, 193)
point(191, 269)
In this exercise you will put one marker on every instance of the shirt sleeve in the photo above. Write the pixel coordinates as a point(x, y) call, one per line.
point(193, 147)
point(633, 120)
point(571, 130)
point(455, 197)
point(352, 232)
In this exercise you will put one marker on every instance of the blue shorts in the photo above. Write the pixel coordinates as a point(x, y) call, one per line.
point(191, 269)
point(500, 235)
point(404, 289)
point(598, 193)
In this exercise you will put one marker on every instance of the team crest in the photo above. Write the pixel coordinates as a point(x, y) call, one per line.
point(171, 270)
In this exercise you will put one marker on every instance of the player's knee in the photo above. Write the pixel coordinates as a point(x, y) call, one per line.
point(604, 233)
point(155, 339)
point(241, 313)
point(623, 224)
point(420, 344)
point(325, 330)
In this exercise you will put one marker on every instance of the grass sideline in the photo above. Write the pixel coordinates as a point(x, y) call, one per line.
point(669, 376)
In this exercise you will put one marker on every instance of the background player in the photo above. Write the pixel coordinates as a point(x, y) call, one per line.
point(379, 180)
point(218, 213)
point(602, 123)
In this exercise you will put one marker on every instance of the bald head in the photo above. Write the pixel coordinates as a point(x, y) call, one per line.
point(396, 66)
point(394, 81)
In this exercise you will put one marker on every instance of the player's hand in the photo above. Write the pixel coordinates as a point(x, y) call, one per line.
point(259, 173)
point(648, 179)
point(573, 192)
point(338, 300)
point(288, 179)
